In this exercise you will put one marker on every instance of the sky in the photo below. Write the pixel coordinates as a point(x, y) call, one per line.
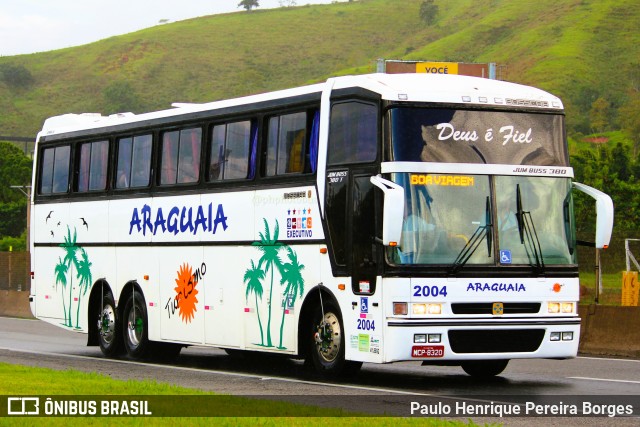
point(28, 26)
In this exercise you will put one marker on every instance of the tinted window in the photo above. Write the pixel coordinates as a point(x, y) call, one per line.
point(286, 144)
point(54, 176)
point(92, 169)
point(181, 156)
point(353, 133)
point(134, 162)
point(230, 149)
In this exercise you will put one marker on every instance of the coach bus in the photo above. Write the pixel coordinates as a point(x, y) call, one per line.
point(372, 218)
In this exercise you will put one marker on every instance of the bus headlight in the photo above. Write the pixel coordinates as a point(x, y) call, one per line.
point(567, 307)
point(422, 309)
point(560, 307)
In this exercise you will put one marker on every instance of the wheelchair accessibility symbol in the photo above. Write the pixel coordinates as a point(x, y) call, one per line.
point(505, 257)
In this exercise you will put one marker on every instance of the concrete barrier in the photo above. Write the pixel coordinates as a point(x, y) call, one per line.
point(611, 331)
point(15, 304)
point(606, 330)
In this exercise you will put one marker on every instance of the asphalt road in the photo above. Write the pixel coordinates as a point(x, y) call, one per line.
point(377, 388)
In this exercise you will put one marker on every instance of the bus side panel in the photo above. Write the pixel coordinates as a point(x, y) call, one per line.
point(182, 294)
point(224, 297)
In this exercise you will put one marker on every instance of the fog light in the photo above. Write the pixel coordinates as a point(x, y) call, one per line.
point(554, 336)
point(567, 336)
point(553, 307)
point(567, 307)
point(420, 338)
point(400, 308)
point(434, 338)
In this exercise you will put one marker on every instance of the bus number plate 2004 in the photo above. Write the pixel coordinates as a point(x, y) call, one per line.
point(427, 351)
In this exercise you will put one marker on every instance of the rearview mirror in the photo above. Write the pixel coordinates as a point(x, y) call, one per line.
point(604, 214)
point(393, 211)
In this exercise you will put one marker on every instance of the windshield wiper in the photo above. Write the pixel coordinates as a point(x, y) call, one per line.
point(474, 241)
point(528, 234)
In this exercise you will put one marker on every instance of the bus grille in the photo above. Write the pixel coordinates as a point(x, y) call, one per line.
point(487, 308)
point(496, 341)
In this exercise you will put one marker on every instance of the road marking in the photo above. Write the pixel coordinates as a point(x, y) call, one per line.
point(604, 379)
point(608, 359)
point(236, 374)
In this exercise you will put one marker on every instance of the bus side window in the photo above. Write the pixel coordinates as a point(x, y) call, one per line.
point(231, 146)
point(180, 163)
point(353, 133)
point(92, 166)
point(134, 162)
point(54, 176)
point(286, 144)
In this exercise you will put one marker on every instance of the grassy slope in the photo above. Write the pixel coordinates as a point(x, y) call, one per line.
point(558, 45)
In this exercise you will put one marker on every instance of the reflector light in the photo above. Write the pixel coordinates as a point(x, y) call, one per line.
point(567, 336)
point(400, 308)
point(554, 336)
point(420, 338)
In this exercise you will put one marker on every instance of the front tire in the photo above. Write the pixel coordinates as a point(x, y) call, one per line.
point(484, 368)
point(135, 328)
point(109, 329)
point(327, 342)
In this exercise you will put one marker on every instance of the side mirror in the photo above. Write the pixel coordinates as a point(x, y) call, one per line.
point(604, 214)
point(393, 211)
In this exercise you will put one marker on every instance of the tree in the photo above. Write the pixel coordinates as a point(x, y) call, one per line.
point(69, 246)
point(253, 277)
point(248, 4)
point(599, 115)
point(15, 75)
point(428, 12)
point(630, 120)
point(15, 169)
point(120, 97)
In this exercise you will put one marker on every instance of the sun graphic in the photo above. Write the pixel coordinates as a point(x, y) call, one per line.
point(186, 292)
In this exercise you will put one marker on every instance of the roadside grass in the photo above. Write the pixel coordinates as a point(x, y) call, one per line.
point(19, 380)
point(611, 284)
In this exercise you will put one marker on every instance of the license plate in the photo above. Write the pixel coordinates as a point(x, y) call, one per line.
point(427, 351)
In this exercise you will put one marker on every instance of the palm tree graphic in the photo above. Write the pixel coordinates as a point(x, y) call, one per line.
point(61, 277)
point(83, 268)
point(292, 276)
point(253, 277)
point(83, 273)
point(69, 246)
point(269, 247)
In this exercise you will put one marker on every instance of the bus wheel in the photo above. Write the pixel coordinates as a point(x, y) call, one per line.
point(484, 368)
point(328, 341)
point(135, 327)
point(110, 339)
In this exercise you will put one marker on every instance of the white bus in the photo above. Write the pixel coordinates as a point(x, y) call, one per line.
point(373, 218)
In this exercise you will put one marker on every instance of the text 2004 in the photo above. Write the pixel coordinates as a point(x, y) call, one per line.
point(429, 291)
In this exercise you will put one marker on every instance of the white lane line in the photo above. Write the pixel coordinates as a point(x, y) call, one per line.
point(604, 380)
point(609, 359)
point(235, 374)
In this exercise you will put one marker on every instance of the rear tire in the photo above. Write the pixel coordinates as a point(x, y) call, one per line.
point(109, 329)
point(327, 342)
point(135, 329)
point(484, 368)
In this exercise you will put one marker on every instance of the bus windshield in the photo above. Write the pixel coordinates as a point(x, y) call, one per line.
point(453, 220)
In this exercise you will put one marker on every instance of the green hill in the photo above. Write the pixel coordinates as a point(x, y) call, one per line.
point(578, 49)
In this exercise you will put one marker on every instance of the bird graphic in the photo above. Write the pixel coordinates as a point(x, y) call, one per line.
point(85, 223)
point(52, 235)
point(58, 223)
point(48, 216)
